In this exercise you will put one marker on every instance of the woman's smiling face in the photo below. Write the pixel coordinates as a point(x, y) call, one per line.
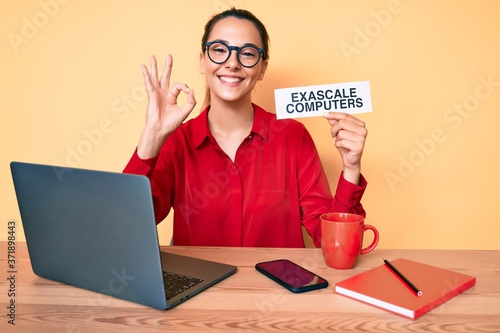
point(230, 81)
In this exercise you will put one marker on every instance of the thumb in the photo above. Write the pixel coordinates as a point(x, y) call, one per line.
point(190, 103)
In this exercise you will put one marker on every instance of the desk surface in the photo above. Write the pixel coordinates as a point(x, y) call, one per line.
point(250, 302)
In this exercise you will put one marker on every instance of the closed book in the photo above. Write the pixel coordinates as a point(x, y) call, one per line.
point(383, 288)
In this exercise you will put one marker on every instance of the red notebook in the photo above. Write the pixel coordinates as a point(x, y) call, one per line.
point(381, 287)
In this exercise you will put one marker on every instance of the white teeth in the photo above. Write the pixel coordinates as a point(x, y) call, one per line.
point(230, 79)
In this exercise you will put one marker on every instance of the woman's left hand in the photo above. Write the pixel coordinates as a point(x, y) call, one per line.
point(350, 136)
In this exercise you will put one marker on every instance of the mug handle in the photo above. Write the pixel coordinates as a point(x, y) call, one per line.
point(370, 247)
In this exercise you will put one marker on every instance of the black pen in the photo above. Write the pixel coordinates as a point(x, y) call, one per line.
point(398, 273)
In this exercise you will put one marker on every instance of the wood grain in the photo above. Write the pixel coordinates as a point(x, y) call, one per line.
point(250, 302)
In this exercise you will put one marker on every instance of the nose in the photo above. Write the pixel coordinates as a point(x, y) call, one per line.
point(232, 61)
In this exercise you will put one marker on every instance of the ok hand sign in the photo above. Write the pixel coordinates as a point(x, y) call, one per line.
point(163, 114)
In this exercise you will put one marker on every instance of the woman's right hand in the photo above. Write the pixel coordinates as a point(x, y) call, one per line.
point(163, 114)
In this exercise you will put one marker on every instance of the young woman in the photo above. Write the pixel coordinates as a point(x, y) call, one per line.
point(235, 175)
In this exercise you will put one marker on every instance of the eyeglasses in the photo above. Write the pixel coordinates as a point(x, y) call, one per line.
point(248, 55)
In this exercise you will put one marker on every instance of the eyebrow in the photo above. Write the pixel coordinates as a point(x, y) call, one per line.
point(228, 44)
point(221, 40)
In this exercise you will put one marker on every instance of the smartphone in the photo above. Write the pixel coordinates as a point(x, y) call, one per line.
point(293, 277)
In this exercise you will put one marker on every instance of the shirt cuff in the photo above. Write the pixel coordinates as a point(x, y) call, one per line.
point(139, 166)
point(349, 194)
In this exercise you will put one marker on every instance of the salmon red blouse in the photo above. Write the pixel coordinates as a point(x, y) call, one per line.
point(275, 185)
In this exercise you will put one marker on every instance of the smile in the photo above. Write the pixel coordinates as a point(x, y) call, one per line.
point(230, 79)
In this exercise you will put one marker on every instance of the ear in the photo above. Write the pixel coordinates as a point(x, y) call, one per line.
point(263, 69)
point(202, 62)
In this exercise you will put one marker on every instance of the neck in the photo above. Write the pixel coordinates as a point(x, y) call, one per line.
point(229, 120)
point(230, 126)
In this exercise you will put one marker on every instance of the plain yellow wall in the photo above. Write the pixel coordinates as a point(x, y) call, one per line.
point(72, 95)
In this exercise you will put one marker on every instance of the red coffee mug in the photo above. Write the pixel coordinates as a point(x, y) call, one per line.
point(342, 239)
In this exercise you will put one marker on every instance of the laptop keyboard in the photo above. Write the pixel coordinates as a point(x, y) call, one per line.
point(177, 283)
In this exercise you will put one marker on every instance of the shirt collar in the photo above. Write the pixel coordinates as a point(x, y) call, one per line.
point(260, 125)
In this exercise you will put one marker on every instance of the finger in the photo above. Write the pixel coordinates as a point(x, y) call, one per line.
point(349, 139)
point(348, 129)
point(154, 70)
point(147, 78)
point(347, 125)
point(177, 88)
point(349, 136)
point(190, 102)
point(354, 147)
point(338, 116)
point(165, 76)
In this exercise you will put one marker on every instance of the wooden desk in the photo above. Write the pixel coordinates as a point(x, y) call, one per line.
point(250, 302)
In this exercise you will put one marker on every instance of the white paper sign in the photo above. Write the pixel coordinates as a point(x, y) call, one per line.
point(312, 101)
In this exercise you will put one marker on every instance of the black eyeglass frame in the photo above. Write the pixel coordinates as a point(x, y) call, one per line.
point(234, 48)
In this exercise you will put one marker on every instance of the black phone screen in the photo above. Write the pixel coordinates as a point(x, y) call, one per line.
point(291, 276)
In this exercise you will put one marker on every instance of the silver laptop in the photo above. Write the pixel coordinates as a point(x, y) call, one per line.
point(96, 230)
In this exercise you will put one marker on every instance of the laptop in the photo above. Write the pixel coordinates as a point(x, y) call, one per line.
point(96, 230)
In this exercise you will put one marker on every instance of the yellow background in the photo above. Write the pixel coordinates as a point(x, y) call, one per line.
point(71, 70)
